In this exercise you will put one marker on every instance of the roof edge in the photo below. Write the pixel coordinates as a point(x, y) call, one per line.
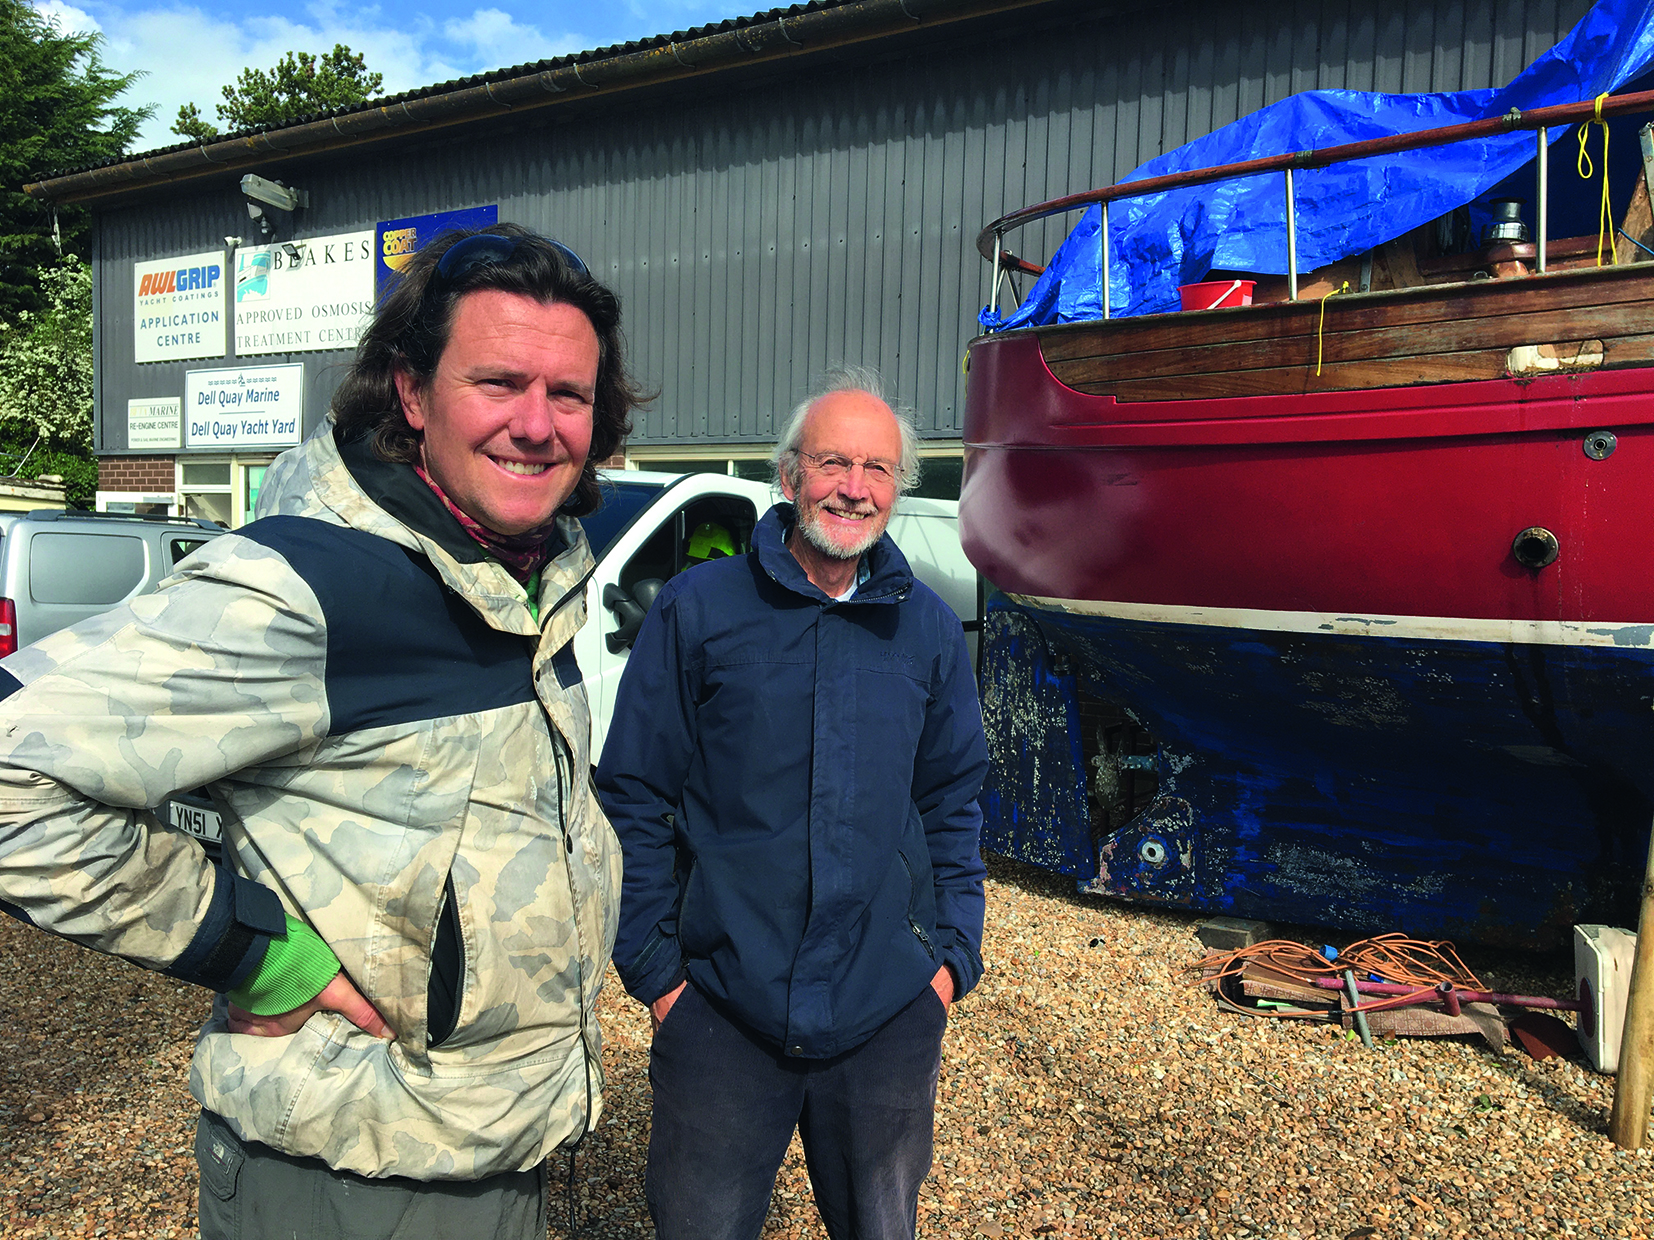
point(788, 35)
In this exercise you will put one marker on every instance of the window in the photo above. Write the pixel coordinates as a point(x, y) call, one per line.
point(225, 491)
point(940, 478)
point(204, 474)
point(86, 569)
point(204, 490)
point(621, 502)
point(179, 548)
point(667, 553)
point(252, 478)
point(151, 506)
point(690, 466)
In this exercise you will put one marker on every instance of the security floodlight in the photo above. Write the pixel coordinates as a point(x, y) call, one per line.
point(271, 203)
point(273, 194)
point(232, 242)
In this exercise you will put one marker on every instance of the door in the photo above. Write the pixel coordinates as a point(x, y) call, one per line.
point(704, 528)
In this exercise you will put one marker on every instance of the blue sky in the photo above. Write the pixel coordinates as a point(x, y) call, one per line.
point(189, 51)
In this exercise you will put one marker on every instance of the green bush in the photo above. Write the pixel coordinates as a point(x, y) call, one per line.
point(46, 385)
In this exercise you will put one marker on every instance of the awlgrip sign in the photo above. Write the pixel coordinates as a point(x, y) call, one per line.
point(178, 308)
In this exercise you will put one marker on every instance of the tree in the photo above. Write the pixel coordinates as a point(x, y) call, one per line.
point(56, 112)
point(46, 385)
point(300, 86)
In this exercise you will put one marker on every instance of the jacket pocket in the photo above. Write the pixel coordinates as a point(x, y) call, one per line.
point(913, 908)
point(446, 988)
point(220, 1155)
point(684, 869)
point(672, 1012)
point(651, 949)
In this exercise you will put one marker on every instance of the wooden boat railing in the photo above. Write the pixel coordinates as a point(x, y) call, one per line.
point(990, 242)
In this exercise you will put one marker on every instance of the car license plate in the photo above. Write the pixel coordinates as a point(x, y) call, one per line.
point(203, 824)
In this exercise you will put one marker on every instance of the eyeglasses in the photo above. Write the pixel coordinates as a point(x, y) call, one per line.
point(483, 249)
point(836, 465)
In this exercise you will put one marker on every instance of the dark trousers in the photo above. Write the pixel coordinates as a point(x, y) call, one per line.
point(252, 1192)
point(726, 1104)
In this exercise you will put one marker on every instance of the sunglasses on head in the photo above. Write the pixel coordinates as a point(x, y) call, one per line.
point(484, 249)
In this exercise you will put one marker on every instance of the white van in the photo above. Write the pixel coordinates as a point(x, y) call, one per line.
point(641, 539)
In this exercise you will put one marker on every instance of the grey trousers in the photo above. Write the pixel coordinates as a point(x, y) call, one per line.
point(252, 1192)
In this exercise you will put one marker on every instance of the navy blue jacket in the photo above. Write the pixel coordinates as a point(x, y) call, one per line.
point(794, 783)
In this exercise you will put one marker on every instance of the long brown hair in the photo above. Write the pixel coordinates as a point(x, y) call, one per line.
point(413, 323)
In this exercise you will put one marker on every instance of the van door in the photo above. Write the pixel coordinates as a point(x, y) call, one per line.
point(706, 527)
point(73, 577)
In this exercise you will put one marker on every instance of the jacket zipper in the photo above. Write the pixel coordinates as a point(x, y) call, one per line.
point(561, 755)
point(918, 930)
point(578, 589)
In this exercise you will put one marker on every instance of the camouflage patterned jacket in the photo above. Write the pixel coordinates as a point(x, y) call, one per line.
point(390, 737)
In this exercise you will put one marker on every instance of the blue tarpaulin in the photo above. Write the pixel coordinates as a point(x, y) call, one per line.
point(1163, 240)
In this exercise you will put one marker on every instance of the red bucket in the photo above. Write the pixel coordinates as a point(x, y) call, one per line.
point(1215, 294)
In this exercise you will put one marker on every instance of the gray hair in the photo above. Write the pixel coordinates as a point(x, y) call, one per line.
point(785, 460)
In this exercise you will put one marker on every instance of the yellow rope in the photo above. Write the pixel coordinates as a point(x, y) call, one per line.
point(1320, 330)
point(1582, 165)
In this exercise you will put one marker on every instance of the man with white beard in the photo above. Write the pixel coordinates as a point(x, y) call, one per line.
point(793, 769)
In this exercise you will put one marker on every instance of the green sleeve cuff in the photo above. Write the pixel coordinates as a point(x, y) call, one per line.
point(296, 968)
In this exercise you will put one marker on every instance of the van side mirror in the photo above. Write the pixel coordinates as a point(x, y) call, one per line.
point(646, 591)
point(629, 610)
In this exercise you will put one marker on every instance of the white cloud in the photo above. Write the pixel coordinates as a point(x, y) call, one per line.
point(188, 55)
point(66, 17)
point(497, 39)
point(670, 16)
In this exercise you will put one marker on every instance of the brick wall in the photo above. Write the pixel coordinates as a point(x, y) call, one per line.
point(155, 473)
point(136, 473)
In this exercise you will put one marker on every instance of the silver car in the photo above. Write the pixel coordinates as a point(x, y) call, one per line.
point(57, 568)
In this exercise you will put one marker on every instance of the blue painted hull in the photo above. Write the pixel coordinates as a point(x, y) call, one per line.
point(1474, 790)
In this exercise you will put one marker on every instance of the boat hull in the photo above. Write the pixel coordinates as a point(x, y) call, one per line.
point(1401, 501)
point(1484, 791)
point(1356, 707)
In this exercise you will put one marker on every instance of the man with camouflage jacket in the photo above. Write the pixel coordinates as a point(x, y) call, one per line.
point(419, 889)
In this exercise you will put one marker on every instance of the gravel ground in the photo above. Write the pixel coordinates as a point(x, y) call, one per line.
point(1086, 1091)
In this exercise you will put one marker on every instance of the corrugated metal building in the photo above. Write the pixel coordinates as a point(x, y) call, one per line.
point(768, 196)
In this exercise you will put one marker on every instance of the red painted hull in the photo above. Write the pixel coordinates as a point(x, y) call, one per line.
point(1393, 501)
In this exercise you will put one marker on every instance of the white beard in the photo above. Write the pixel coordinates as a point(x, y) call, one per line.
point(809, 526)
